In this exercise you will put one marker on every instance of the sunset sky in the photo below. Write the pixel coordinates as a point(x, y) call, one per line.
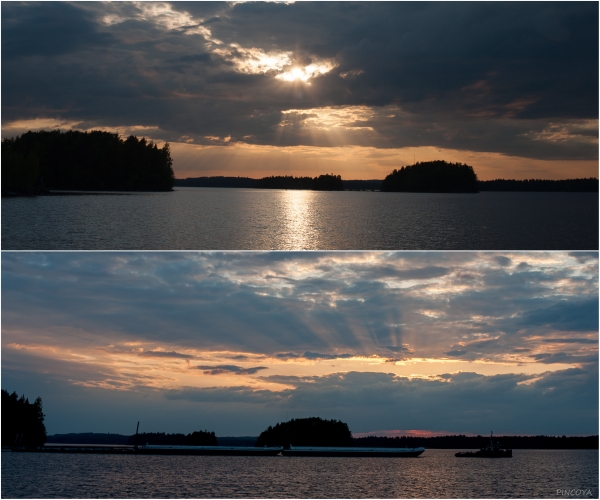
point(388, 342)
point(356, 89)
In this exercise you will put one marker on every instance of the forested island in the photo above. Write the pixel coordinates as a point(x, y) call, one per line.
point(326, 182)
point(37, 162)
point(436, 176)
point(313, 431)
point(22, 421)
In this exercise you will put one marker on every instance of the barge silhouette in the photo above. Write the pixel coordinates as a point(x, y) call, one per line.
point(221, 450)
point(153, 450)
point(301, 451)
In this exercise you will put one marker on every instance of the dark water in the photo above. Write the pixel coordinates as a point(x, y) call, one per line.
point(435, 474)
point(237, 219)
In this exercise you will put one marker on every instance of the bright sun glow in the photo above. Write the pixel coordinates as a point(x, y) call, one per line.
point(307, 72)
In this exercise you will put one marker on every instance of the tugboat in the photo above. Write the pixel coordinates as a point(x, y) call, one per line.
point(491, 451)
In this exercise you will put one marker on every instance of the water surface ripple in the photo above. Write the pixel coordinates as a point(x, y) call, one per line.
point(255, 219)
point(435, 474)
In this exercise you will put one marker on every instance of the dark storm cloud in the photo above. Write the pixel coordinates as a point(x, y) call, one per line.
point(48, 29)
point(515, 78)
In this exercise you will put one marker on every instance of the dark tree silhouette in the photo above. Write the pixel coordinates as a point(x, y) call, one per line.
point(22, 421)
point(566, 185)
point(85, 161)
point(313, 431)
point(202, 438)
point(197, 438)
point(327, 182)
point(217, 181)
point(433, 177)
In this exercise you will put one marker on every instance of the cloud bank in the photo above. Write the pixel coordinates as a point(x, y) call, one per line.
point(462, 339)
point(511, 79)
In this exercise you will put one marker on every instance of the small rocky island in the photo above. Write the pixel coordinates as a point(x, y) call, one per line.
point(436, 176)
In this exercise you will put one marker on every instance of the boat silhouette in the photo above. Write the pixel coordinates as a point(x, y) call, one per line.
point(491, 451)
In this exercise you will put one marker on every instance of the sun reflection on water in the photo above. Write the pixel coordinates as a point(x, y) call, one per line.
point(299, 219)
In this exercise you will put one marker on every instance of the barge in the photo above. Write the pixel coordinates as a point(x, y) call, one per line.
point(300, 451)
point(152, 450)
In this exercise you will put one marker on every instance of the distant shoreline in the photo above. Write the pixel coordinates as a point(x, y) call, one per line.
point(585, 185)
point(589, 185)
point(437, 442)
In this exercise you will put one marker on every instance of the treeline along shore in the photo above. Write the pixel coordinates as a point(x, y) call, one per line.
point(587, 185)
point(471, 442)
point(37, 162)
point(440, 442)
point(23, 427)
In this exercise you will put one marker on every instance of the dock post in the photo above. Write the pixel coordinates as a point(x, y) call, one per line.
point(136, 436)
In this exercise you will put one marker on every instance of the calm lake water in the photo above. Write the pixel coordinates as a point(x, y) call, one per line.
point(255, 219)
point(435, 474)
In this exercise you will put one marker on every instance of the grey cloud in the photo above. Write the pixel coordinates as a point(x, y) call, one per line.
point(563, 357)
point(396, 348)
point(584, 256)
point(287, 355)
point(165, 354)
point(318, 355)
point(426, 272)
point(503, 261)
point(565, 315)
point(455, 353)
point(573, 340)
point(312, 355)
point(240, 394)
point(236, 370)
